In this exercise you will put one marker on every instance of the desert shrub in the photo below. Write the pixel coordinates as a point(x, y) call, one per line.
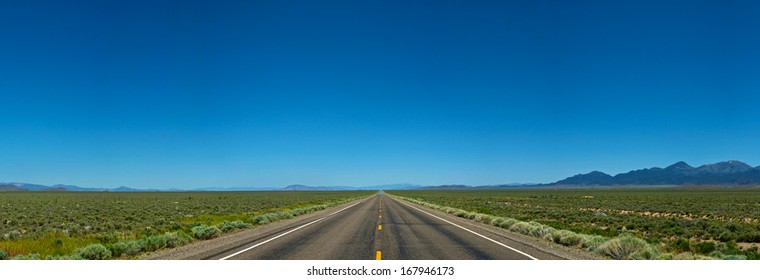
point(522, 228)
point(648, 252)
point(496, 221)
point(483, 218)
point(621, 248)
point(12, 235)
point(129, 248)
point(592, 242)
point(227, 226)
point(568, 238)
point(681, 245)
point(3, 254)
point(750, 237)
point(460, 213)
point(471, 215)
point(542, 231)
point(260, 220)
point(284, 215)
point(508, 223)
point(174, 239)
point(734, 257)
point(726, 236)
point(93, 252)
point(558, 234)
point(153, 243)
point(272, 217)
point(205, 232)
point(721, 256)
point(60, 257)
point(33, 256)
point(690, 256)
point(705, 247)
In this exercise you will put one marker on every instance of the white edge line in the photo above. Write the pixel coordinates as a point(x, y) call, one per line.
point(475, 233)
point(284, 233)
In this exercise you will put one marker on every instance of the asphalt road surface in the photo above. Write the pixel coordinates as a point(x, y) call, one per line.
point(383, 228)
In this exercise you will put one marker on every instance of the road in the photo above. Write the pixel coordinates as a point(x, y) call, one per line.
point(383, 228)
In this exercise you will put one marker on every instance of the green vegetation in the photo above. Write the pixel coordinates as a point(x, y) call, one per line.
point(664, 223)
point(90, 225)
point(93, 252)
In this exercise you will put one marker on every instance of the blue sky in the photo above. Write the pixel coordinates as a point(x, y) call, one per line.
point(270, 93)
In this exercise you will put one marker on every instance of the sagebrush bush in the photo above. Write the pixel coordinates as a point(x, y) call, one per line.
point(484, 218)
point(227, 226)
point(508, 222)
point(567, 238)
point(153, 242)
point(734, 257)
point(33, 256)
point(60, 257)
point(129, 248)
point(541, 231)
point(592, 242)
point(621, 248)
point(93, 252)
point(648, 252)
point(272, 217)
point(3, 254)
point(205, 232)
point(174, 239)
point(260, 220)
point(522, 228)
point(496, 221)
point(12, 235)
point(666, 256)
point(461, 213)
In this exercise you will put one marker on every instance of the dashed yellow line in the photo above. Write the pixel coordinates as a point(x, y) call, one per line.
point(378, 255)
point(381, 216)
point(379, 227)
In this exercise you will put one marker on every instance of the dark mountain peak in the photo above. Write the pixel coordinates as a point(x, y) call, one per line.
point(679, 166)
point(732, 172)
point(726, 167)
point(591, 178)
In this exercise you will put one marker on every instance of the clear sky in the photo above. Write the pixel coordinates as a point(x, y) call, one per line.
point(191, 94)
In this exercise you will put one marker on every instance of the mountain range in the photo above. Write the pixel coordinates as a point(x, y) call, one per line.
point(59, 187)
point(731, 172)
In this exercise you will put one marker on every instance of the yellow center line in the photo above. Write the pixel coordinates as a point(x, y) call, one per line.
point(378, 255)
point(379, 227)
point(381, 216)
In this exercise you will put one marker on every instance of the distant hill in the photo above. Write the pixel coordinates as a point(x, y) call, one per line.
point(348, 188)
point(449, 187)
point(69, 188)
point(10, 188)
point(680, 173)
point(304, 188)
